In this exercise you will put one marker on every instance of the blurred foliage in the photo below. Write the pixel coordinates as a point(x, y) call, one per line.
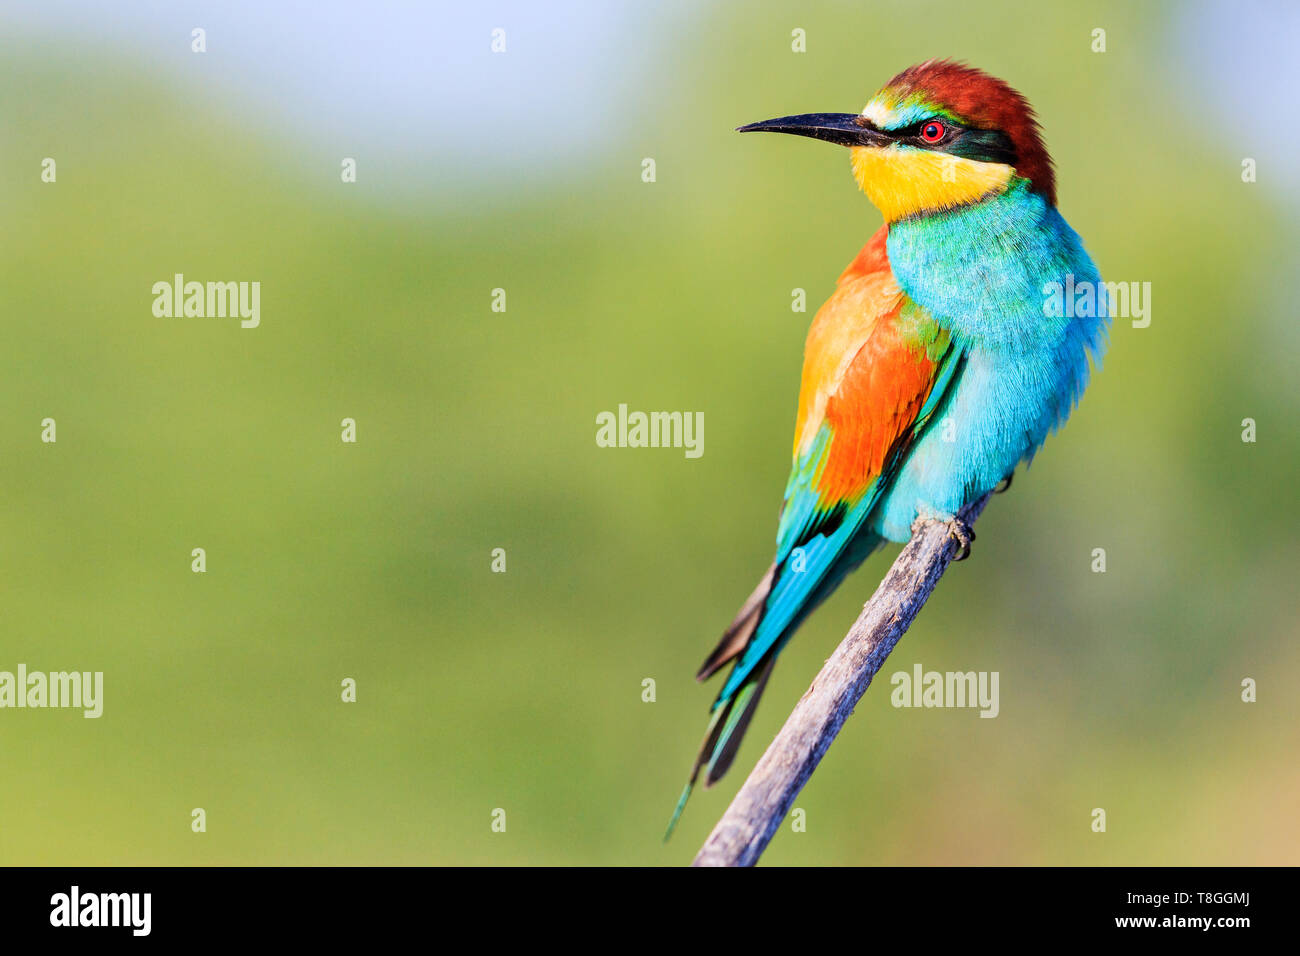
point(476, 431)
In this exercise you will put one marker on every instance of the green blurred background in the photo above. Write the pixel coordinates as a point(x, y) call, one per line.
point(476, 430)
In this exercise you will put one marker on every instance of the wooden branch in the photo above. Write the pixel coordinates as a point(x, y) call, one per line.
point(768, 794)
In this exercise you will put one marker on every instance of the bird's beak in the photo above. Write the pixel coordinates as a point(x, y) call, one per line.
point(846, 129)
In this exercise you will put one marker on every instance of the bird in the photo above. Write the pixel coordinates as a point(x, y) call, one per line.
point(939, 364)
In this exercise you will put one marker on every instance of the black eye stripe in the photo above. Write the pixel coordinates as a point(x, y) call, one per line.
point(984, 145)
point(912, 133)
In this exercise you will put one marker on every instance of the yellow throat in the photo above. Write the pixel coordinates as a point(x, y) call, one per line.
point(904, 182)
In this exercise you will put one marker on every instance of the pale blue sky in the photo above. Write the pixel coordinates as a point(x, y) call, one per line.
point(413, 78)
point(417, 81)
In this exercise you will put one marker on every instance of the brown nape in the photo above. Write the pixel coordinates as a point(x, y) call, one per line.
point(987, 103)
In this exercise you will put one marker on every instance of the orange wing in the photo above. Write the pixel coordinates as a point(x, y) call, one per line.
point(870, 364)
point(875, 368)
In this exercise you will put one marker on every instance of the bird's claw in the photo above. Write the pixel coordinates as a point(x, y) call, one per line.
point(1005, 485)
point(964, 535)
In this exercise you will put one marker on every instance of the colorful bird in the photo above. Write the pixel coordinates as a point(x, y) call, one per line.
point(941, 361)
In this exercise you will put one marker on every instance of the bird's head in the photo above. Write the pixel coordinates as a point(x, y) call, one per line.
point(937, 136)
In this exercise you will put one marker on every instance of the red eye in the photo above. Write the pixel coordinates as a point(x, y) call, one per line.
point(932, 131)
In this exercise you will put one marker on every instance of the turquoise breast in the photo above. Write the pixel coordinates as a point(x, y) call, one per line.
point(986, 273)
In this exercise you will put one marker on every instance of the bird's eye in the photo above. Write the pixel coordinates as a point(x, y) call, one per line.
point(932, 131)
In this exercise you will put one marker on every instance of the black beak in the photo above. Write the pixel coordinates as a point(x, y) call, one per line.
point(846, 129)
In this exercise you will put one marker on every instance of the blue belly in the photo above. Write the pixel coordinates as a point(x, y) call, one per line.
point(983, 273)
point(999, 413)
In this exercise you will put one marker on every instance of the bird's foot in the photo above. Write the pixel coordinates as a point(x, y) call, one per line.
point(964, 535)
point(1005, 485)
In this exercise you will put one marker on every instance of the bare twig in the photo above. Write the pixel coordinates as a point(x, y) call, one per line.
point(766, 797)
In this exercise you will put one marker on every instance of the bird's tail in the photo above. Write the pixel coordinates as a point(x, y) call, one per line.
point(733, 711)
point(731, 716)
point(721, 741)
